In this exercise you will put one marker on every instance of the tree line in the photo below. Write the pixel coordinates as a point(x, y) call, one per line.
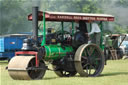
point(13, 13)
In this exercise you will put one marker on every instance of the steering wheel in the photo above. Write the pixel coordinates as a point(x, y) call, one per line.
point(66, 36)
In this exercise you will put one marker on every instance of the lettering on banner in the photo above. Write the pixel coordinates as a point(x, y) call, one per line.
point(89, 18)
point(77, 17)
point(64, 17)
point(53, 17)
point(81, 18)
point(101, 18)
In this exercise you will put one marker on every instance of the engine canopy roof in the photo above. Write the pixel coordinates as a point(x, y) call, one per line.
point(67, 16)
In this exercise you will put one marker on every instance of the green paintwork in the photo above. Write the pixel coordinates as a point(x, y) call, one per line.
point(101, 39)
point(72, 28)
point(56, 51)
point(90, 27)
point(62, 31)
point(44, 31)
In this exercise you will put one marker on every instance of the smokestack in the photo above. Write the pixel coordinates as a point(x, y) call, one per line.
point(35, 23)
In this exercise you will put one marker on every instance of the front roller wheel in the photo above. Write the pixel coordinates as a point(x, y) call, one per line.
point(23, 68)
point(89, 60)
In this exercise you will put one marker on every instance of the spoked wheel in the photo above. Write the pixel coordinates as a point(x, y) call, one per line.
point(89, 60)
point(63, 73)
point(23, 68)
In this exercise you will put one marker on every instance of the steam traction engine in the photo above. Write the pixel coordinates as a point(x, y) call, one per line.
point(69, 53)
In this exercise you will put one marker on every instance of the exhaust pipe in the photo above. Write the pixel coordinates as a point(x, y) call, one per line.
point(35, 24)
point(27, 45)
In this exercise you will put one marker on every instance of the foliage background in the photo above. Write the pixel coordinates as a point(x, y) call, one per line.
point(13, 13)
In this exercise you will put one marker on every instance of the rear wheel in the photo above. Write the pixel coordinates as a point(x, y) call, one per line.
point(89, 60)
point(63, 73)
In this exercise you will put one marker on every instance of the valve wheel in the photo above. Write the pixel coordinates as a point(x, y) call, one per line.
point(23, 68)
point(63, 73)
point(89, 60)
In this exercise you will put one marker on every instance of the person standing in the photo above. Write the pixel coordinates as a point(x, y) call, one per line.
point(95, 34)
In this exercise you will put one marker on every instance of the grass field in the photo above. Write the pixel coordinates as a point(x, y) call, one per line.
point(114, 73)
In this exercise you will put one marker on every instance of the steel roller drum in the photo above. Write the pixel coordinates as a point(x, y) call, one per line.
point(17, 68)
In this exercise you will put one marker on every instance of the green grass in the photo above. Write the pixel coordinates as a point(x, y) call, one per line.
point(114, 73)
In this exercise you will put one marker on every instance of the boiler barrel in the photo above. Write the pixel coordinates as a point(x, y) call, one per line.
point(57, 51)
